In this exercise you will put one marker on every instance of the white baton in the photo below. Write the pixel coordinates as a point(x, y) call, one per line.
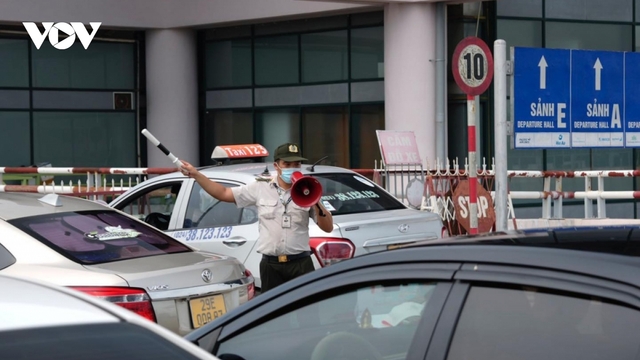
point(166, 151)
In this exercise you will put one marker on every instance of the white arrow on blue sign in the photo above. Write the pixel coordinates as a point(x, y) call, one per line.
point(576, 98)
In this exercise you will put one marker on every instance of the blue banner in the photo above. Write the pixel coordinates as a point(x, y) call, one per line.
point(576, 98)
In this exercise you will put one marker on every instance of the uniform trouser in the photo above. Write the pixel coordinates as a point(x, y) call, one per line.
point(273, 274)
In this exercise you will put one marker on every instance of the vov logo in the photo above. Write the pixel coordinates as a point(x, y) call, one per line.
point(53, 30)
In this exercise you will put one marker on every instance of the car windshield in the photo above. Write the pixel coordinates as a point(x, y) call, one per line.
point(345, 193)
point(94, 237)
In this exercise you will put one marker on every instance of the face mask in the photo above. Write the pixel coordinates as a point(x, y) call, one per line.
point(286, 174)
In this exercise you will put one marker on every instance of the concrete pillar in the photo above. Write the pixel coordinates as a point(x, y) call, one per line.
point(172, 95)
point(410, 76)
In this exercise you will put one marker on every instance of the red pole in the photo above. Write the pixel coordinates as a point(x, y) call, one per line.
point(473, 166)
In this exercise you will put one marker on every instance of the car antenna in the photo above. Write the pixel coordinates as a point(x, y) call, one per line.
point(266, 171)
point(311, 168)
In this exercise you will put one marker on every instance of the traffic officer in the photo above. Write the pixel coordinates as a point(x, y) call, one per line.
point(284, 226)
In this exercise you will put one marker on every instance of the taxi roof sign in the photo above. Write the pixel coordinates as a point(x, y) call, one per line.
point(243, 151)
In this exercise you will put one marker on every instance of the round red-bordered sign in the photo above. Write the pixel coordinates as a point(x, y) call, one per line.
point(472, 66)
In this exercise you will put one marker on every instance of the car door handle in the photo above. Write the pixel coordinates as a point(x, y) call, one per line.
point(234, 241)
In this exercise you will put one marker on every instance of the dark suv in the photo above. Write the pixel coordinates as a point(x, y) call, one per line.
point(547, 294)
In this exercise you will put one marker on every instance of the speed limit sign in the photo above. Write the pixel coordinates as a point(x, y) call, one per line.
point(472, 66)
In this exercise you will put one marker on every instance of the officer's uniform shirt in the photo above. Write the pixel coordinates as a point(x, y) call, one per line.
point(276, 238)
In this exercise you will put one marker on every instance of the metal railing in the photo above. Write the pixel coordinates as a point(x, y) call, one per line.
point(424, 189)
point(92, 183)
point(440, 181)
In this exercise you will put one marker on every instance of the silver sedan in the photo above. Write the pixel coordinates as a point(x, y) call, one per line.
point(40, 321)
point(106, 253)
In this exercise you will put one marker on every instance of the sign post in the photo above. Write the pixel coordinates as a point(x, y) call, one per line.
point(472, 67)
point(500, 128)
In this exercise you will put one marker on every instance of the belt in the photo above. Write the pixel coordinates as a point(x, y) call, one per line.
point(286, 258)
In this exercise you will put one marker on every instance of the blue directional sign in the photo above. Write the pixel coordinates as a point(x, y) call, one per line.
point(542, 80)
point(576, 98)
point(632, 100)
point(597, 98)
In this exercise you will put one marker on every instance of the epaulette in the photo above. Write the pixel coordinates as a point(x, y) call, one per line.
point(263, 178)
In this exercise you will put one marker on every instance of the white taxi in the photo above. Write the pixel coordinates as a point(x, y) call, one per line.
point(366, 217)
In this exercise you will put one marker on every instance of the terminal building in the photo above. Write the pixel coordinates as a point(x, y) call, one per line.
point(325, 74)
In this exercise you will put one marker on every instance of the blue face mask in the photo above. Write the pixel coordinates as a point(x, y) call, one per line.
point(286, 174)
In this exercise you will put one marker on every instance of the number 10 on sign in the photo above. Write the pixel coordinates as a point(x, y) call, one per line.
point(472, 68)
point(475, 66)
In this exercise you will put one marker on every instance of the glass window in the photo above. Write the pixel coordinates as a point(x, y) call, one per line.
point(325, 132)
point(226, 127)
point(367, 53)
point(526, 33)
point(637, 44)
point(637, 166)
point(372, 322)
point(153, 205)
point(6, 259)
point(526, 323)
point(613, 159)
point(457, 30)
point(93, 237)
point(324, 56)
point(205, 211)
point(350, 194)
point(523, 8)
point(586, 159)
point(610, 10)
point(277, 60)
point(567, 160)
point(365, 120)
point(278, 126)
point(302, 25)
point(228, 32)
point(369, 18)
point(15, 138)
point(228, 63)
point(85, 139)
point(566, 35)
point(522, 159)
point(101, 66)
point(14, 63)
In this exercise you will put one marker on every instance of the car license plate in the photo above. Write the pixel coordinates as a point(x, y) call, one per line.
point(395, 246)
point(205, 309)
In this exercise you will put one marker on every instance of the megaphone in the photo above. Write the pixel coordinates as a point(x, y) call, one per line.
point(306, 191)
